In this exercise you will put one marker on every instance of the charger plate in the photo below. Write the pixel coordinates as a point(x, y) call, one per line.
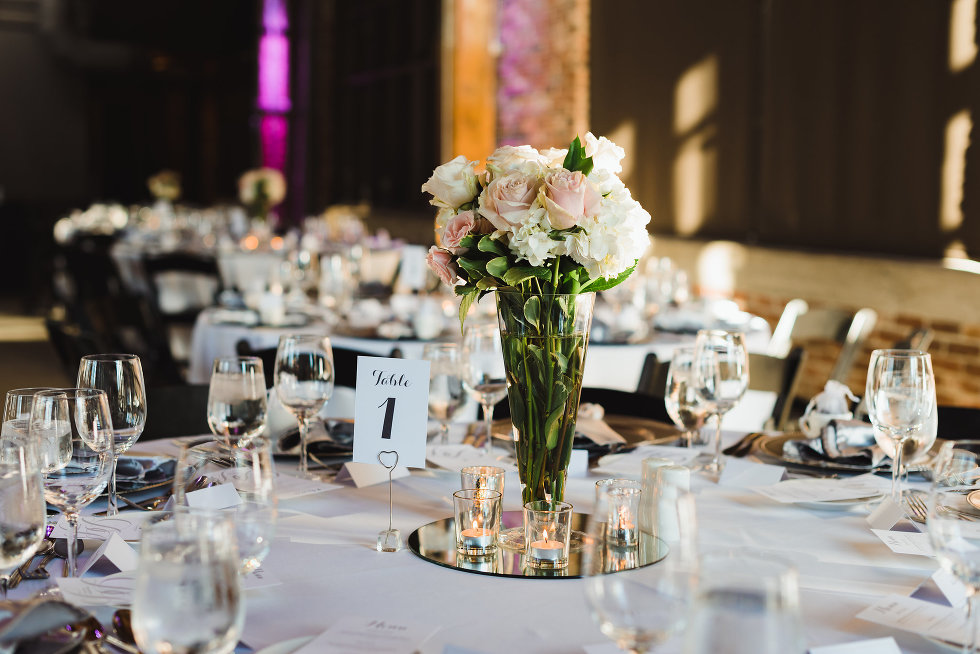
point(772, 446)
point(436, 543)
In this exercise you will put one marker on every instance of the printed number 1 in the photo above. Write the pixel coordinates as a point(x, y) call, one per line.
point(389, 415)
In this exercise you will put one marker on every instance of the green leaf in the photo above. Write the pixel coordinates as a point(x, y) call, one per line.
point(464, 306)
point(600, 284)
point(498, 266)
point(552, 428)
point(477, 267)
point(561, 360)
point(576, 159)
point(487, 244)
point(469, 241)
point(532, 310)
point(487, 283)
point(463, 289)
point(518, 274)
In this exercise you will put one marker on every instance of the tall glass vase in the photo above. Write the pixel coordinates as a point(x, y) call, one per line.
point(544, 339)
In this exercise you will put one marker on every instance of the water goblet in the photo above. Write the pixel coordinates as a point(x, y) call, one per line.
point(721, 375)
point(684, 406)
point(236, 399)
point(304, 382)
point(72, 433)
point(121, 377)
point(446, 394)
point(188, 595)
point(22, 512)
point(484, 376)
point(250, 470)
point(901, 401)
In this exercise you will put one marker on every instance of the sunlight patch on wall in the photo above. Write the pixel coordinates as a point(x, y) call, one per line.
point(695, 173)
point(624, 135)
point(958, 130)
point(718, 264)
point(962, 34)
point(696, 95)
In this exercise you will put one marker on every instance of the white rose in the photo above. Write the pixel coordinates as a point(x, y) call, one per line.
point(515, 158)
point(554, 157)
point(605, 154)
point(453, 184)
point(606, 182)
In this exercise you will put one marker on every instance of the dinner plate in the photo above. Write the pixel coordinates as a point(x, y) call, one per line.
point(772, 446)
point(839, 505)
point(286, 646)
point(974, 499)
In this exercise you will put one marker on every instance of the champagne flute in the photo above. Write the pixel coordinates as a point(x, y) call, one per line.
point(684, 406)
point(188, 595)
point(446, 394)
point(22, 512)
point(721, 375)
point(304, 382)
point(72, 432)
point(901, 399)
point(121, 377)
point(250, 470)
point(236, 399)
point(951, 525)
point(484, 376)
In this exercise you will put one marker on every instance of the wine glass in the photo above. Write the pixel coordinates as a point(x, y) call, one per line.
point(639, 607)
point(72, 433)
point(901, 400)
point(22, 512)
point(236, 399)
point(304, 382)
point(250, 470)
point(446, 394)
point(684, 406)
point(121, 377)
point(721, 377)
point(950, 522)
point(17, 411)
point(484, 376)
point(747, 602)
point(188, 595)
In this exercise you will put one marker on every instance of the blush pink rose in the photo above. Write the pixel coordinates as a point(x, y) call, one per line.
point(569, 198)
point(459, 226)
point(442, 264)
point(507, 198)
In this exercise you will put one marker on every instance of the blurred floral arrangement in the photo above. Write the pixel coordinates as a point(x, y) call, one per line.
point(345, 222)
point(261, 189)
point(97, 219)
point(165, 185)
point(555, 221)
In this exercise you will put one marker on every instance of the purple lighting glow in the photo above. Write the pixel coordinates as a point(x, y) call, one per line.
point(273, 99)
point(274, 73)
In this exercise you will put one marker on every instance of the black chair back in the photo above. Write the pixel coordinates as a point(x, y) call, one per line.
point(344, 362)
point(172, 411)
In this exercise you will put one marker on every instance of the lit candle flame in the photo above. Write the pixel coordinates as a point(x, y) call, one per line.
point(474, 524)
point(546, 535)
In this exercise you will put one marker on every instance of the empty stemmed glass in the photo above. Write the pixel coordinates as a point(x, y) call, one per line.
point(304, 382)
point(22, 513)
point(901, 401)
point(236, 399)
point(72, 433)
point(484, 376)
point(446, 394)
point(684, 406)
point(721, 375)
point(121, 377)
point(17, 411)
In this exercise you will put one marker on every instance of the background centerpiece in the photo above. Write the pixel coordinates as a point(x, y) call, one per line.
point(545, 230)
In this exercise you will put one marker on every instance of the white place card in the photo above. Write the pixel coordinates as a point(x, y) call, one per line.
point(222, 496)
point(365, 474)
point(739, 473)
point(598, 431)
point(114, 555)
point(129, 525)
point(886, 515)
point(578, 464)
point(905, 542)
point(290, 487)
point(916, 616)
point(351, 635)
point(113, 590)
point(413, 269)
point(391, 410)
point(870, 646)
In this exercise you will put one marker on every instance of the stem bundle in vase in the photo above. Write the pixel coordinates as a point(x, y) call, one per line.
point(545, 230)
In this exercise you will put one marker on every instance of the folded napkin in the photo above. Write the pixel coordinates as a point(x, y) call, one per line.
point(38, 626)
point(136, 472)
point(327, 439)
point(844, 442)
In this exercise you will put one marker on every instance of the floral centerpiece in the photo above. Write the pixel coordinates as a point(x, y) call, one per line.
point(165, 185)
point(544, 230)
point(260, 190)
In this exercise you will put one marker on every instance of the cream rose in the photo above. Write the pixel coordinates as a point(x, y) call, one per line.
point(605, 154)
point(442, 264)
point(515, 158)
point(554, 156)
point(453, 184)
point(569, 198)
point(457, 228)
point(506, 200)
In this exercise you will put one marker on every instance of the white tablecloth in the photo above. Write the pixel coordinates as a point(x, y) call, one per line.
point(843, 568)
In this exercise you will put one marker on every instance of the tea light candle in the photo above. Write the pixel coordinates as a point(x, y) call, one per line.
point(477, 537)
point(547, 550)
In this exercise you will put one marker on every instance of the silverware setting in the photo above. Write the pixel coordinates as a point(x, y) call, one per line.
point(918, 512)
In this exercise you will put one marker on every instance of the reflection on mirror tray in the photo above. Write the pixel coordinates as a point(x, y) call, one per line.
point(436, 542)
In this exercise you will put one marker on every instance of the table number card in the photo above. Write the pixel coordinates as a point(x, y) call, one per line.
point(391, 410)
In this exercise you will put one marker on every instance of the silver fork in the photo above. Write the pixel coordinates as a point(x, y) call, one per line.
point(917, 510)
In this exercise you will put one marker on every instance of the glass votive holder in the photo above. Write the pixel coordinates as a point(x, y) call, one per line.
point(547, 528)
point(488, 477)
point(477, 521)
point(623, 516)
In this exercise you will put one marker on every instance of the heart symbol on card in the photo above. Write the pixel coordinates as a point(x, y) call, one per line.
point(387, 455)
